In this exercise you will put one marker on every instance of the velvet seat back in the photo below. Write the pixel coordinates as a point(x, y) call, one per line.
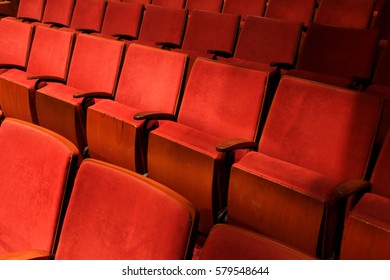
point(227, 107)
point(59, 12)
point(340, 52)
point(31, 9)
point(33, 183)
point(299, 124)
point(151, 79)
point(15, 42)
point(346, 13)
point(210, 30)
point(88, 15)
point(163, 24)
point(244, 8)
point(95, 64)
point(297, 10)
point(267, 40)
point(116, 214)
point(122, 18)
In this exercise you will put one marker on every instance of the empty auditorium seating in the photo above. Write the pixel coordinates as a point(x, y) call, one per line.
point(49, 58)
point(346, 13)
point(367, 227)
point(116, 214)
point(34, 184)
point(244, 8)
point(15, 44)
point(335, 55)
point(315, 137)
point(151, 80)
point(297, 10)
point(94, 67)
point(227, 242)
point(162, 26)
point(58, 13)
point(221, 103)
point(122, 20)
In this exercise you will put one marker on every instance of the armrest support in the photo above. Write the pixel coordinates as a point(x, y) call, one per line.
point(153, 115)
point(124, 37)
point(167, 45)
point(360, 83)
point(217, 53)
point(27, 255)
point(236, 144)
point(40, 79)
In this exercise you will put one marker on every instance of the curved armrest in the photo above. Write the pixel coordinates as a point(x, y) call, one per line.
point(56, 24)
point(236, 144)
point(40, 79)
point(360, 83)
point(153, 115)
point(282, 65)
point(94, 94)
point(86, 30)
point(217, 53)
point(124, 37)
point(27, 255)
point(12, 66)
point(349, 188)
point(167, 45)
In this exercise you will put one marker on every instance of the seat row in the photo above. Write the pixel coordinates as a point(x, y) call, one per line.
point(107, 212)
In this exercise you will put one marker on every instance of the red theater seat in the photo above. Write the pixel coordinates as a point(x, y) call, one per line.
point(30, 10)
point(244, 8)
point(315, 137)
point(49, 59)
point(58, 13)
point(221, 107)
point(151, 80)
point(35, 182)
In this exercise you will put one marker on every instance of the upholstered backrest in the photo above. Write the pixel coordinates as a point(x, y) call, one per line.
point(151, 79)
point(122, 18)
point(50, 52)
point(88, 15)
point(268, 40)
point(382, 71)
point(244, 8)
point(346, 13)
point(15, 42)
point(59, 12)
point(170, 3)
point(337, 51)
point(210, 30)
point(297, 10)
point(223, 100)
point(380, 178)
point(33, 182)
point(163, 24)
point(95, 63)
point(323, 128)
point(207, 5)
point(31, 9)
point(116, 214)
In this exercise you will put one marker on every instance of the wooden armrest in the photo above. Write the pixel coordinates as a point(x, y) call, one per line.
point(349, 188)
point(217, 53)
point(86, 30)
point(282, 65)
point(94, 94)
point(12, 66)
point(27, 255)
point(167, 45)
point(124, 37)
point(40, 79)
point(236, 144)
point(153, 115)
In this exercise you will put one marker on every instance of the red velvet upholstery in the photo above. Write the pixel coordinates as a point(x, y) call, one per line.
point(244, 8)
point(138, 1)
point(346, 53)
point(31, 10)
point(95, 66)
point(122, 19)
point(15, 43)
point(49, 56)
point(116, 214)
point(37, 170)
point(162, 24)
point(315, 137)
point(297, 10)
point(151, 80)
point(210, 31)
point(221, 102)
point(227, 242)
point(58, 12)
point(170, 3)
point(88, 16)
point(346, 13)
point(206, 5)
point(367, 228)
